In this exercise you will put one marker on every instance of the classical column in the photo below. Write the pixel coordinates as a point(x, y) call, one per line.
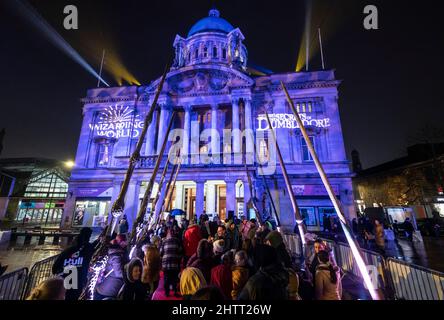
point(249, 132)
point(235, 131)
point(178, 202)
point(163, 124)
point(211, 198)
point(187, 133)
point(117, 184)
point(247, 196)
point(151, 135)
point(132, 202)
point(215, 142)
point(200, 197)
point(231, 195)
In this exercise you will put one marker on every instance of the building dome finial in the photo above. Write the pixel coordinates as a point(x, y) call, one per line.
point(214, 13)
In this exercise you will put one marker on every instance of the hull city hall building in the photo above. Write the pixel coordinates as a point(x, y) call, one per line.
point(211, 89)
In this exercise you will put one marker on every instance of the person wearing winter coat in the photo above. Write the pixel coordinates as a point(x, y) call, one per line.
point(234, 235)
point(380, 236)
point(123, 226)
point(222, 235)
point(171, 253)
point(151, 268)
point(50, 289)
point(191, 280)
point(270, 281)
point(313, 261)
point(113, 274)
point(239, 273)
point(133, 288)
point(203, 259)
point(79, 256)
point(250, 232)
point(221, 276)
point(328, 284)
point(191, 239)
point(274, 239)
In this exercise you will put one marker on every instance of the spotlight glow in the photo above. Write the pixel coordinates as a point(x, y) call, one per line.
point(34, 18)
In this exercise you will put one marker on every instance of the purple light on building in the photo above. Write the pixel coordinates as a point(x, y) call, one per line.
point(214, 93)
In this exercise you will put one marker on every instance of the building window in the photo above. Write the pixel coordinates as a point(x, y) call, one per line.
point(189, 56)
point(224, 53)
point(263, 151)
point(196, 53)
point(205, 52)
point(306, 156)
point(214, 52)
point(309, 216)
point(103, 155)
point(47, 185)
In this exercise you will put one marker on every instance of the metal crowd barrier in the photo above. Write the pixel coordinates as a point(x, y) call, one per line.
point(12, 284)
point(40, 272)
point(396, 279)
point(293, 244)
point(412, 282)
point(345, 260)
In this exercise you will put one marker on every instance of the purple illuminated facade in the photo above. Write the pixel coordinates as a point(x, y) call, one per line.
point(215, 93)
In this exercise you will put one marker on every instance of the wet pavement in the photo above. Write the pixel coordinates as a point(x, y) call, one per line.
point(428, 254)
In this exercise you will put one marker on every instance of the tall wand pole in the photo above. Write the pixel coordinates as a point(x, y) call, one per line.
point(119, 204)
point(349, 235)
point(297, 213)
point(149, 188)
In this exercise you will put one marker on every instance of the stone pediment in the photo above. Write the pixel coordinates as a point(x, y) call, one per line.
point(202, 80)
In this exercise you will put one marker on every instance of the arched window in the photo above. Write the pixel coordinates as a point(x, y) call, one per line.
point(214, 52)
point(306, 155)
point(189, 56)
point(196, 53)
point(205, 52)
point(224, 53)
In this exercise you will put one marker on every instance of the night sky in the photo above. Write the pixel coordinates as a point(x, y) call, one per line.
point(391, 77)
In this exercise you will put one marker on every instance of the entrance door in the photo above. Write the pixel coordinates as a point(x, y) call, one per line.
point(222, 191)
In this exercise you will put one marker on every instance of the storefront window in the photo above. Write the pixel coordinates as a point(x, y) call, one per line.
point(309, 217)
point(91, 213)
point(326, 212)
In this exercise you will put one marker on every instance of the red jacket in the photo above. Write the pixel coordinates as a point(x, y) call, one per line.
point(191, 240)
point(221, 277)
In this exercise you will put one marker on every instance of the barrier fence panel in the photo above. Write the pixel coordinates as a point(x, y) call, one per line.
point(40, 271)
point(293, 244)
point(344, 258)
point(412, 282)
point(13, 284)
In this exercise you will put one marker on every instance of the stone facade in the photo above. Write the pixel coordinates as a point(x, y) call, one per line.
point(220, 106)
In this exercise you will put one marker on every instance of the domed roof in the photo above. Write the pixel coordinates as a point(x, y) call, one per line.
point(211, 23)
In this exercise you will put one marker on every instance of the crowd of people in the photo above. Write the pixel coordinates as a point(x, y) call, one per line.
point(235, 259)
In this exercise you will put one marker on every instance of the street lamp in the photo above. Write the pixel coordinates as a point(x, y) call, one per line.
point(69, 164)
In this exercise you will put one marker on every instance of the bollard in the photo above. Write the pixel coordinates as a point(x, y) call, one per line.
point(42, 240)
point(56, 240)
point(28, 238)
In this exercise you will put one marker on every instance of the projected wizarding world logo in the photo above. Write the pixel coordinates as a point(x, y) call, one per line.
point(288, 121)
point(117, 121)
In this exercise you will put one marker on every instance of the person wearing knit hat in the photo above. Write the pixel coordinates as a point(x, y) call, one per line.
point(191, 280)
point(218, 247)
point(274, 239)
